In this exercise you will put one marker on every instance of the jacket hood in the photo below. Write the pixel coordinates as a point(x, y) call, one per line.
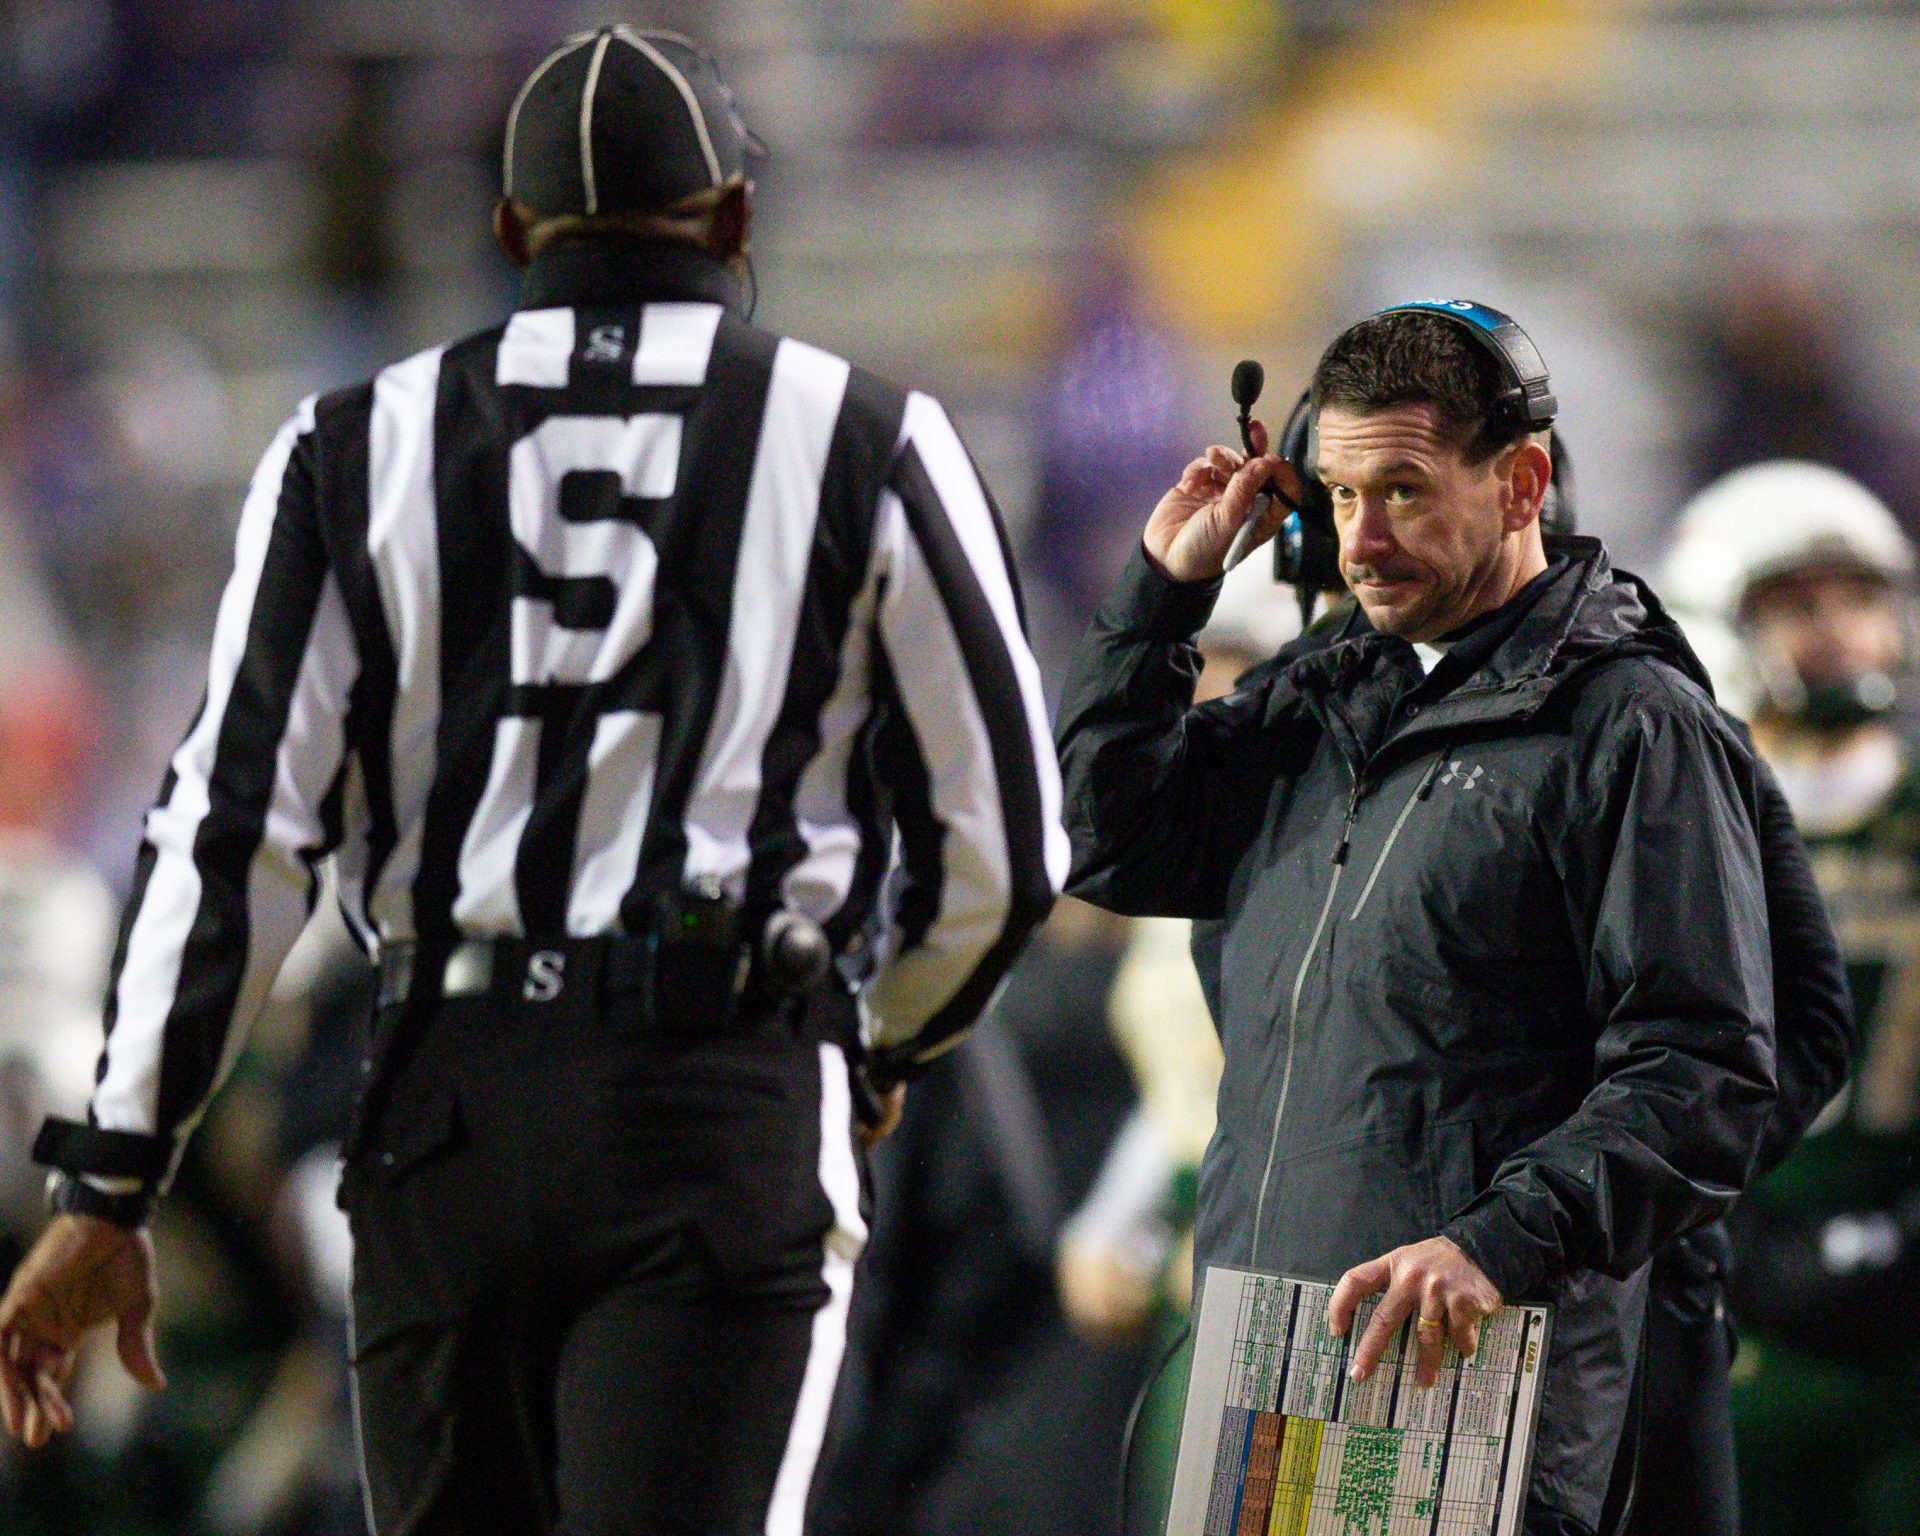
point(1615, 613)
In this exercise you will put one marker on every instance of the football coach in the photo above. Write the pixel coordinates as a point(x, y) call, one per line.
point(644, 673)
point(1489, 941)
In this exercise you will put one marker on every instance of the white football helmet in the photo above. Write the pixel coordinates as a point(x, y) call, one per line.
point(1762, 522)
point(1768, 519)
point(1254, 614)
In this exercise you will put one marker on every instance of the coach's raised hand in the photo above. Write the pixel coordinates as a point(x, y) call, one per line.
point(1191, 529)
point(82, 1272)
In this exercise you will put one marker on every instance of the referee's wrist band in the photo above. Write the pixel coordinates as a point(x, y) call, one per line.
point(75, 1147)
point(69, 1194)
point(113, 1175)
point(887, 1072)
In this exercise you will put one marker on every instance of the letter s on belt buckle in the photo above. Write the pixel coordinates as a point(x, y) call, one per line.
point(546, 975)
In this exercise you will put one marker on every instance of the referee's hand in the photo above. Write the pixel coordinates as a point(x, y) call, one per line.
point(889, 1106)
point(82, 1272)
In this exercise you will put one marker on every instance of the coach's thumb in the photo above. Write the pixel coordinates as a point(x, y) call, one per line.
point(137, 1352)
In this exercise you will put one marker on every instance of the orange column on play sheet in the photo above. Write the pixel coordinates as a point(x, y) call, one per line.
point(1263, 1464)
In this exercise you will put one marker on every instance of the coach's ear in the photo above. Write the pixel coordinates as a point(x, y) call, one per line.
point(510, 232)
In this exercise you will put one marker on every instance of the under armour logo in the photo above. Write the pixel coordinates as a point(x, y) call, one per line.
point(1467, 777)
point(546, 974)
point(605, 344)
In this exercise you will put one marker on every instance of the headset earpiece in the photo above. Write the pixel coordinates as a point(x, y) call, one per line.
point(1306, 551)
point(1559, 516)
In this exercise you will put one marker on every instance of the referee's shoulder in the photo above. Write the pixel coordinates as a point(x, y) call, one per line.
point(872, 406)
point(348, 407)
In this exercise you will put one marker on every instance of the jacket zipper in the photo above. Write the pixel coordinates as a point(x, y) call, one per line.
point(1339, 862)
point(1421, 791)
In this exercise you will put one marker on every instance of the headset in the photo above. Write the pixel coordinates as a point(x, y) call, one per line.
point(1306, 550)
point(1560, 513)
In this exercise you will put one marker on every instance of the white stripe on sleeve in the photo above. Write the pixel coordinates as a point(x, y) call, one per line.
point(914, 982)
point(278, 881)
point(929, 429)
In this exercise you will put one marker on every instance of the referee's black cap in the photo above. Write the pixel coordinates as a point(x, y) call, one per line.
point(618, 120)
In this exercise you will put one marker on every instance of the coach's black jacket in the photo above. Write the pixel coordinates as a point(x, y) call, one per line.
point(1491, 947)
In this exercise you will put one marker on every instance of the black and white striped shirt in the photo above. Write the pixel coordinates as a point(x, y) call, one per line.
point(537, 626)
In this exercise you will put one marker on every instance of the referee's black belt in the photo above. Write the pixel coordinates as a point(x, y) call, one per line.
point(674, 984)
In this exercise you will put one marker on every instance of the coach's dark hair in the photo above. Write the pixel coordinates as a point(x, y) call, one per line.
point(1408, 357)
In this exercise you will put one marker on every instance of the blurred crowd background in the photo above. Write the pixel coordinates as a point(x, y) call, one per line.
point(1068, 218)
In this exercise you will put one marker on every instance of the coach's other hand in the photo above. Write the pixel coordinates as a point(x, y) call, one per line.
point(1434, 1283)
point(1193, 526)
point(82, 1272)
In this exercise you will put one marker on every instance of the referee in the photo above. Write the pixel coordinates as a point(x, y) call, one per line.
point(658, 689)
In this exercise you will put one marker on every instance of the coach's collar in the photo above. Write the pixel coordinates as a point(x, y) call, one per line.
point(613, 270)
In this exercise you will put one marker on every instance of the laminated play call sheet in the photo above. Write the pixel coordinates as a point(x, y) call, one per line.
point(1277, 1441)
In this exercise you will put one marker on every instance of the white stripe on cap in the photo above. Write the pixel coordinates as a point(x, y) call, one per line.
point(586, 124)
point(577, 41)
point(667, 67)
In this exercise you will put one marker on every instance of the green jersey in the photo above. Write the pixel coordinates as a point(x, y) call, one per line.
point(1863, 1153)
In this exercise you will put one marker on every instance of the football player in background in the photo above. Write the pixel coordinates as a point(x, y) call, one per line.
point(1796, 586)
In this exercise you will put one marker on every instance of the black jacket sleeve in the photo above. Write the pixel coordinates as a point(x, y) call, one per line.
point(1813, 1008)
point(1665, 894)
point(1161, 796)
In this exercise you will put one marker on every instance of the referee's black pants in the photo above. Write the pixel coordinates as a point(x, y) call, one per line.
point(600, 1276)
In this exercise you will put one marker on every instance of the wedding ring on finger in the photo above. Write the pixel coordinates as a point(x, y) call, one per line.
point(1427, 1327)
